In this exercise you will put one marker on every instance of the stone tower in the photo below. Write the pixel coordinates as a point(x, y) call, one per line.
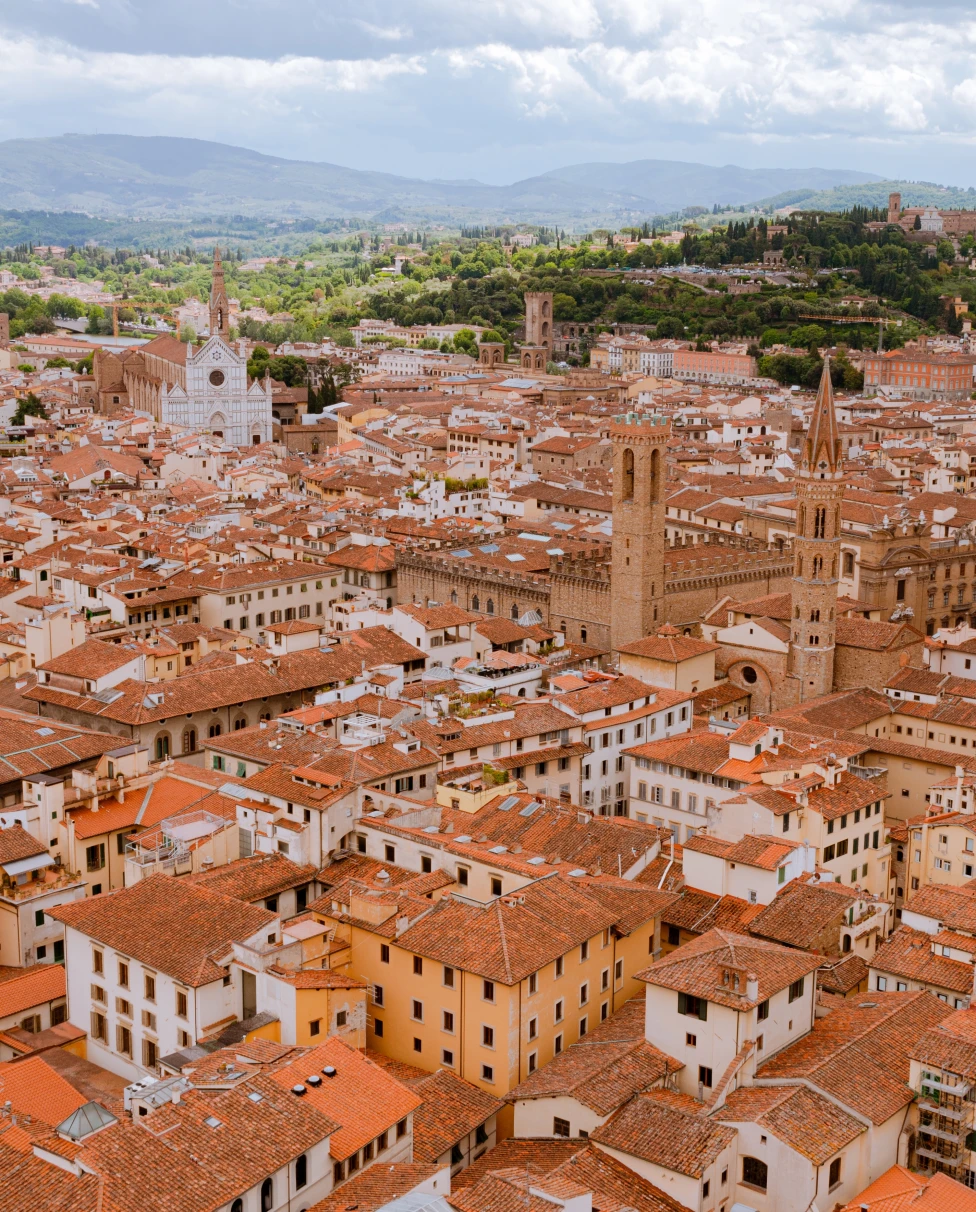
point(819, 492)
point(219, 310)
point(639, 483)
point(894, 208)
point(538, 320)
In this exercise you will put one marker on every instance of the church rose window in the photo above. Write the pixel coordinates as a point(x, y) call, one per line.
point(216, 377)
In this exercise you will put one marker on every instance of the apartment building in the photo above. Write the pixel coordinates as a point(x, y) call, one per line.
point(617, 712)
point(451, 989)
point(919, 374)
point(695, 366)
point(142, 978)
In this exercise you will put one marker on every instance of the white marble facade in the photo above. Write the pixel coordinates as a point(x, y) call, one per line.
point(217, 398)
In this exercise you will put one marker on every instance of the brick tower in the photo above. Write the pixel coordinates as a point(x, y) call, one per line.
point(538, 319)
point(219, 310)
point(894, 208)
point(819, 492)
point(639, 476)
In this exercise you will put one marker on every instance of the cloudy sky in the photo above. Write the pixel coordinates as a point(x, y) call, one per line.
point(502, 89)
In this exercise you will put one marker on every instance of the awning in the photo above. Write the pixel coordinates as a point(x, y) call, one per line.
point(34, 863)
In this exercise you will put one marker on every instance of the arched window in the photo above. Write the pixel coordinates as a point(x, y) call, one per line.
point(848, 563)
point(189, 740)
point(847, 942)
point(215, 730)
point(655, 493)
point(162, 746)
point(237, 1206)
point(515, 613)
point(476, 603)
point(814, 616)
point(301, 1171)
point(490, 606)
point(239, 723)
point(755, 1173)
point(627, 482)
point(266, 1195)
point(454, 597)
point(583, 634)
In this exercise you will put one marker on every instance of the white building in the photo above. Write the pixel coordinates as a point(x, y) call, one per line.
point(217, 396)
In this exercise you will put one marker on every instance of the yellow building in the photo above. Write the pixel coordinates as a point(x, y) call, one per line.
point(493, 991)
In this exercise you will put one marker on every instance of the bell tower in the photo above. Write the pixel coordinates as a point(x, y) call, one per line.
point(819, 492)
point(639, 483)
point(219, 310)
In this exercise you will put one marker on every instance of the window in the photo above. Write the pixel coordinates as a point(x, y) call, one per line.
point(301, 1171)
point(558, 1016)
point(559, 966)
point(123, 1040)
point(582, 1026)
point(560, 1127)
point(691, 1041)
point(315, 1026)
point(557, 1045)
point(417, 1010)
point(533, 1028)
point(123, 974)
point(418, 965)
point(488, 1037)
point(378, 1027)
point(705, 1076)
point(417, 1045)
point(584, 951)
point(762, 1011)
point(488, 991)
point(705, 1189)
point(695, 1007)
point(462, 876)
point(796, 989)
point(447, 1057)
point(834, 1175)
point(496, 885)
point(487, 1073)
point(447, 1021)
point(150, 987)
point(95, 856)
point(755, 1173)
point(448, 977)
point(384, 953)
point(267, 1195)
point(99, 1030)
point(181, 1003)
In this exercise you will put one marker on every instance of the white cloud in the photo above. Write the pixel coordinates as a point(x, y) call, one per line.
point(533, 73)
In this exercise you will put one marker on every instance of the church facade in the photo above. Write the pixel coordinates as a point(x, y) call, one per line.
point(205, 389)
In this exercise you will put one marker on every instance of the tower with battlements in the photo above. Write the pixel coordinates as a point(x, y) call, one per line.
point(639, 484)
point(538, 320)
point(819, 492)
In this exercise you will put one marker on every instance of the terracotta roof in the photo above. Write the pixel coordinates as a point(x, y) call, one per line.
point(603, 1069)
point(859, 1054)
point(256, 877)
point(802, 1119)
point(697, 967)
point(38, 984)
point(451, 1108)
point(908, 954)
point(33, 1088)
point(800, 914)
point(168, 924)
point(374, 1188)
point(667, 1130)
point(360, 1096)
point(898, 1190)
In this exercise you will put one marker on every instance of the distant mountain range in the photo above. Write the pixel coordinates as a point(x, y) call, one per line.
point(118, 176)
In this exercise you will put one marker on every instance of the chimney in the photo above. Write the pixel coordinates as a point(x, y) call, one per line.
point(752, 987)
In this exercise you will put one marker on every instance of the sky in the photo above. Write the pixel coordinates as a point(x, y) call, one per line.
point(499, 90)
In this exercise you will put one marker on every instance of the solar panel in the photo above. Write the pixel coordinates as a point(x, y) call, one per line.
point(508, 803)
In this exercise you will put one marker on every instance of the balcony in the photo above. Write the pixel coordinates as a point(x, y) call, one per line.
point(957, 1089)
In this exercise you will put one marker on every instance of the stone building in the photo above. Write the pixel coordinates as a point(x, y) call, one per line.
point(816, 548)
point(538, 319)
point(205, 389)
point(639, 477)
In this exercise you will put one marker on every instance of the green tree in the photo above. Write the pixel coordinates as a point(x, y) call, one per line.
point(563, 307)
point(669, 326)
point(28, 406)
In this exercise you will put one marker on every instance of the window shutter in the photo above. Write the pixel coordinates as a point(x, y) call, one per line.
point(703, 1009)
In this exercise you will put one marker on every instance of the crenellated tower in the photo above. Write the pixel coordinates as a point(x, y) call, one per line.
point(639, 483)
point(819, 492)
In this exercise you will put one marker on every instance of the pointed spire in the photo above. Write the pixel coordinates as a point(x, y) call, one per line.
point(821, 451)
point(219, 318)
